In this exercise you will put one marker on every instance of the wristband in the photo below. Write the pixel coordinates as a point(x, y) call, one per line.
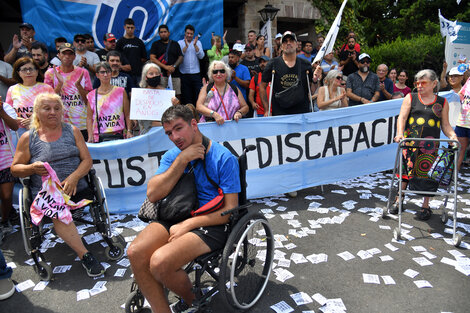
point(239, 112)
point(212, 113)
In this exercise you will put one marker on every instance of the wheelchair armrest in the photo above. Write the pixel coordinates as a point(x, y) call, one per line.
point(236, 209)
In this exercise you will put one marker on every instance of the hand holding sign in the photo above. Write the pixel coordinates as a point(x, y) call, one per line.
point(149, 104)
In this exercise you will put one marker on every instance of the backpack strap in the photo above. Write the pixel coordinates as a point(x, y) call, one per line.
point(234, 88)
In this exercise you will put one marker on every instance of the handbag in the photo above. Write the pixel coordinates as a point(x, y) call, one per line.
point(423, 184)
point(293, 95)
point(176, 206)
point(443, 168)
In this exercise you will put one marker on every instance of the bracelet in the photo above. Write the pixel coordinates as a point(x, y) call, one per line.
point(239, 112)
point(212, 112)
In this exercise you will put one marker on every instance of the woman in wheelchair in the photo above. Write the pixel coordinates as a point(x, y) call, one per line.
point(63, 147)
point(160, 251)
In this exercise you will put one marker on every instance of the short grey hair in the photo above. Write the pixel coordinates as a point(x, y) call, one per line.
point(429, 74)
point(145, 69)
point(104, 65)
point(228, 71)
point(332, 74)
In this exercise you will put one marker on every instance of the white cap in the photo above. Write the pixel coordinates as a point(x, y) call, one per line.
point(239, 47)
point(363, 56)
point(279, 35)
point(455, 71)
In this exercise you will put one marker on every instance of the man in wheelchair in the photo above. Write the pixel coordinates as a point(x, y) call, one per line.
point(160, 251)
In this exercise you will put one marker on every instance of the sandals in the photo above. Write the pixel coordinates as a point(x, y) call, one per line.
point(424, 214)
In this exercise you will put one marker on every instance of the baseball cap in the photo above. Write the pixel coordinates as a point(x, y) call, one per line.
point(109, 37)
point(279, 35)
point(249, 46)
point(265, 58)
point(364, 56)
point(455, 71)
point(238, 47)
point(288, 34)
point(27, 25)
point(66, 46)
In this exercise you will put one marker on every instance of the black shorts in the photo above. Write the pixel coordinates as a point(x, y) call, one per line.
point(6, 177)
point(213, 236)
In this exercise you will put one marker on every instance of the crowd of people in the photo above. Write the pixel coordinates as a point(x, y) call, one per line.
point(59, 101)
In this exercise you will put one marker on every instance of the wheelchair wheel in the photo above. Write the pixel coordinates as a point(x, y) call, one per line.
point(101, 199)
point(246, 262)
point(135, 302)
point(25, 223)
point(44, 270)
point(115, 252)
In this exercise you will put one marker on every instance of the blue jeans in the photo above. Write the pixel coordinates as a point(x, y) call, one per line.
point(5, 271)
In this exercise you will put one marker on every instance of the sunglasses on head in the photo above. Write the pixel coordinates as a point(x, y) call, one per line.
point(221, 71)
point(80, 40)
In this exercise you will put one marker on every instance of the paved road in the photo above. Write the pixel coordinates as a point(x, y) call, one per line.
point(361, 228)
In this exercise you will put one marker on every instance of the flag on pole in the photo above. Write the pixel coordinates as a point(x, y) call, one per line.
point(266, 32)
point(448, 28)
point(330, 39)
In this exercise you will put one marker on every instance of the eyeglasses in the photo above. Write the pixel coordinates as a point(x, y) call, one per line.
point(364, 61)
point(104, 72)
point(421, 84)
point(221, 71)
point(28, 70)
point(339, 77)
point(80, 40)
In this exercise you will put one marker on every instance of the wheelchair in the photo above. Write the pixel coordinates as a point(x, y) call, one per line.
point(240, 270)
point(33, 235)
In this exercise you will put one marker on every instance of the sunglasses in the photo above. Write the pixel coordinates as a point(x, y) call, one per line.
point(221, 71)
point(364, 61)
point(80, 40)
point(421, 84)
point(112, 41)
point(339, 77)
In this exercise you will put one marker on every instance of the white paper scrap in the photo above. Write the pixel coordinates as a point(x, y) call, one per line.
point(41, 285)
point(422, 261)
point(120, 272)
point(83, 294)
point(385, 258)
point(319, 298)
point(371, 279)
point(346, 255)
point(422, 284)
point(391, 247)
point(301, 298)
point(282, 307)
point(388, 280)
point(24, 285)
point(411, 273)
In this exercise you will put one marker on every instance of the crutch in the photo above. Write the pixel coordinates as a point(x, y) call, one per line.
point(310, 97)
point(271, 92)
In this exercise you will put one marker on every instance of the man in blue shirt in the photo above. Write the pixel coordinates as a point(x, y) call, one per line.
point(159, 252)
point(191, 81)
point(241, 74)
point(307, 48)
point(386, 84)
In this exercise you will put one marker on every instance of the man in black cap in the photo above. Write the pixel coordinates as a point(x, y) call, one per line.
point(363, 86)
point(250, 60)
point(21, 48)
point(290, 93)
point(109, 41)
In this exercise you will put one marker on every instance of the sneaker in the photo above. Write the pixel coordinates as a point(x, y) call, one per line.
point(7, 288)
point(181, 307)
point(92, 266)
point(292, 194)
point(6, 226)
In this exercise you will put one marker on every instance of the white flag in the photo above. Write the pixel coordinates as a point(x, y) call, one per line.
point(330, 39)
point(448, 28)
point(266, 32)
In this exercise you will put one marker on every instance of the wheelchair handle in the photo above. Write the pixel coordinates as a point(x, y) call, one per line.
point(237, 208)
point(250, 148)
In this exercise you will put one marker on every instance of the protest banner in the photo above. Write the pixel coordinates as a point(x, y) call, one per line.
point(459, 49)
point(149, 104)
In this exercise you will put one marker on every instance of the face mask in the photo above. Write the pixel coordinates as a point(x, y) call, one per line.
point(365, 69)
point(154, 81)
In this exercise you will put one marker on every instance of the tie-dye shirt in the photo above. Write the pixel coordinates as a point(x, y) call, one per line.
point(110, 111)
point(6, 157)
point(21, 97)
point(75, 106)
point(464, 117)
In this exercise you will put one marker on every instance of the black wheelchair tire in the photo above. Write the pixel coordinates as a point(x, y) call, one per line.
point(134, 302)
point(44, 271)
point(239, 238)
